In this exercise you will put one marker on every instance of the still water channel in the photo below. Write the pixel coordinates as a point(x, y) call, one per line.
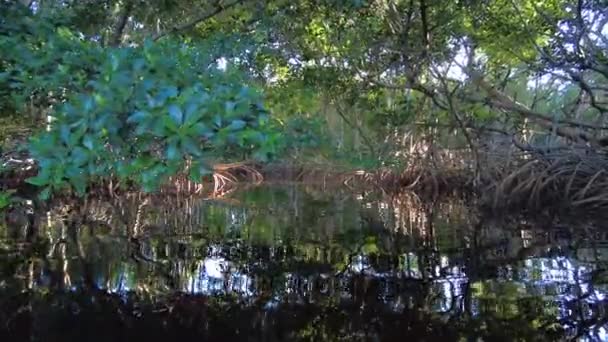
point(297, 263)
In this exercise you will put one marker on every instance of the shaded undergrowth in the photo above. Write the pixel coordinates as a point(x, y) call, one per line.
point(100, 316)
point(572, 180)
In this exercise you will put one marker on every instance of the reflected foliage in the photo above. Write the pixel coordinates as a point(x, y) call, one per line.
point(281, 263)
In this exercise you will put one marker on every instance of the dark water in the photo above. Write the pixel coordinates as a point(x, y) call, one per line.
point(285, 263)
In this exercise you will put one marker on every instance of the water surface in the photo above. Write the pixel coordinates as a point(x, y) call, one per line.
point(283, 263)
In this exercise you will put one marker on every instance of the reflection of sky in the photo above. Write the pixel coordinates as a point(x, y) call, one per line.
point(601, 334)
point(559, 281)
point(215, 275)
point(359, 264)
point(121, 283)
point(545, 270)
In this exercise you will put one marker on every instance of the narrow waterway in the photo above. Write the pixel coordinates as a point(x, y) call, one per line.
point(282, 263)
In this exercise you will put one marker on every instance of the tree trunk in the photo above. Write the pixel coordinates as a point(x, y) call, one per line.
point(116, 38)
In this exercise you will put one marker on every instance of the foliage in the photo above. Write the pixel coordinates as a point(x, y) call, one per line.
point(42, 62)
point(351, 80)
point(146, 112)
point(6, 198)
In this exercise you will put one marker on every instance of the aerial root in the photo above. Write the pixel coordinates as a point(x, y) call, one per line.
point(568, 179)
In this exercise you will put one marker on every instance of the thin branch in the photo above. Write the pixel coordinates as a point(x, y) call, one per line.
point(428, 92)
point(502, 101)
point(203, 17)
point(454, 111)
point(426, 36)
point(368, 141)
point(577, 77)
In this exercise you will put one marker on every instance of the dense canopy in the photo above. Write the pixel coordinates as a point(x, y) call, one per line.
point(432, 168)
point(165, 84)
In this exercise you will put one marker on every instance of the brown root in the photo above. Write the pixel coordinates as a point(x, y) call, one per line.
point(570, 179)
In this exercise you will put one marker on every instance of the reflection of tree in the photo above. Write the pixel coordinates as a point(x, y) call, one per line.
point(338, 269)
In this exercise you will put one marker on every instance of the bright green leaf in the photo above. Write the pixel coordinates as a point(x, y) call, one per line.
point(176, 114)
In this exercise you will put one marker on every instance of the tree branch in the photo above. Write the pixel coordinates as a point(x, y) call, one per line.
point(454, 111)
point(116, 38)
point(426, 37)
point(203, 17)
point(365, 138)
point(27, 3)
point(502, 101)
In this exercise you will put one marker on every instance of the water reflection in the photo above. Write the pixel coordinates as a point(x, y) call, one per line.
point(299, 263)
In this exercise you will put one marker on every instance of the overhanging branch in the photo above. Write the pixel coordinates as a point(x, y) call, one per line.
point(502, 101)
point(201, 18)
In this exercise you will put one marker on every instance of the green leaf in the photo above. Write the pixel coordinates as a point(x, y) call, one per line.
point(139, 64)
point(194, 173)
point(88, 142)
point(79, 156)
point(245, 92)
point(164, 94)
point(236, 125)
point(87, 104)
point(200, 129)
point(64, 132)
point(170, 124)
point(45, 194)
point(114, 61)
point(172, 151)
point(79, 184)
point(5, 198)
point(150, 186)
point(142, 128)
point(176, 114)
point(191, 146)
point(158, 128)
point(229, 107)
point(38, 180)
point(370, 246)
point(138, 117)
point(101, 122)
point(170, 91)
point(217, 120)
point(193, 114)
point(197, 171)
